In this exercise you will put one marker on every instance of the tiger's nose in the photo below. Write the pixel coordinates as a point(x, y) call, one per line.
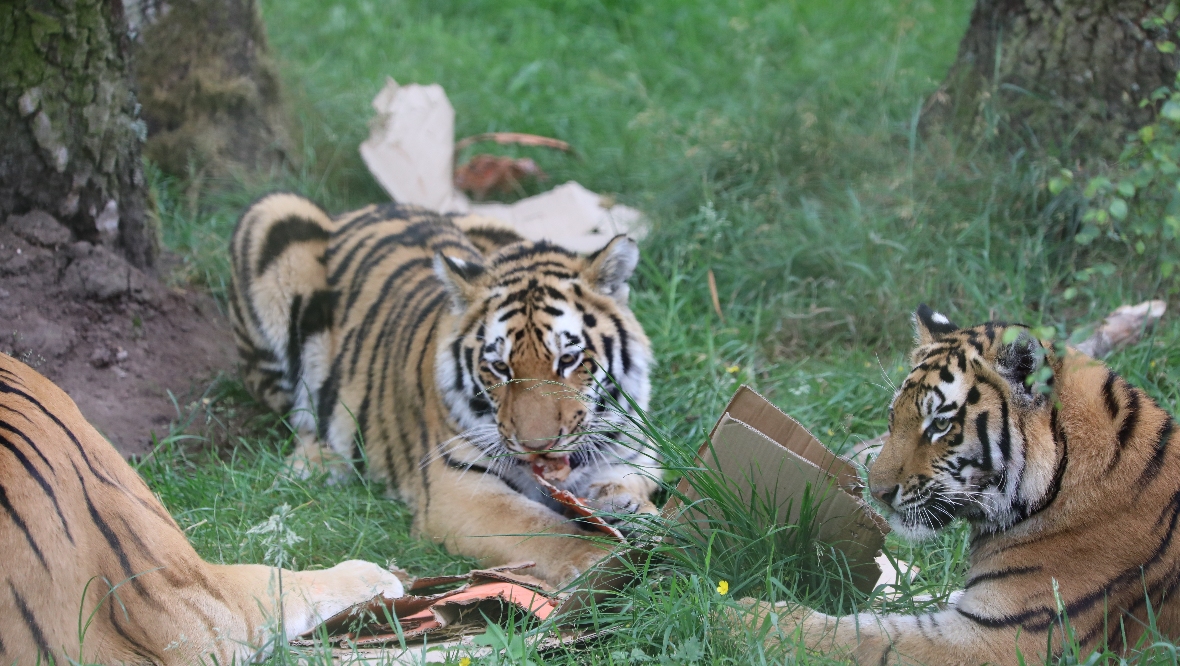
point(886, 494)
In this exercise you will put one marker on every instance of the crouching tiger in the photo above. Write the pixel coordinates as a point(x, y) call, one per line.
point(447, 357)
point(1073, 494)
point(96, 571)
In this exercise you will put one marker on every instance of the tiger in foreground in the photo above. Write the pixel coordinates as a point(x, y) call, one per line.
point(450, 359)
point(96, 571)
point(1073, 495)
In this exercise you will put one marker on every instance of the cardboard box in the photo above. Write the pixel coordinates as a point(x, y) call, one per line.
point(758, 448)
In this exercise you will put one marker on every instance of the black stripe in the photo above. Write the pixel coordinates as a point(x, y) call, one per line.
point(464, 467)
point(5, 388)
point(30, 621)
point(460, 370)
point(107, 533)
point(1006, 432)
point(1157, 457)
point(137, 647)
point(317, 316)
point(624, 346)
point(294, 355)
point(984, 441)
point(1000, 574)
point(36, 474)
point(5, 425)
point(1131, 419)
point(283, 234)
point(1112, 404)
point(1060, 441)
point(532, 249)
point(1126, 430)
point(22, 526)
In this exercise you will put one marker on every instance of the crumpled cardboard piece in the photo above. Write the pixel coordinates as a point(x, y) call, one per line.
point(756, 445)
point(409, 149)
point(410, 152)
point(437, 625)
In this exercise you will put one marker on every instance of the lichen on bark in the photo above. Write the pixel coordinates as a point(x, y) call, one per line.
point(70, 132)
point(1062, 75)
point(210, 94)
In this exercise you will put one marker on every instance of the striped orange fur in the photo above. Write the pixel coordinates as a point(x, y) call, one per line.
point(444, 355)
point(1070, 480)
point(96, 571)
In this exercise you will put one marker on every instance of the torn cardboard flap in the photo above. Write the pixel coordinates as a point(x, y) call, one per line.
point(757, 412)
point(410, 152)
point(755, 445)
point(751, 462)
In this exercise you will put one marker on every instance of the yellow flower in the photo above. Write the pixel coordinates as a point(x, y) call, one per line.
point(465, 661)
point(733, 368)
point(723, 587)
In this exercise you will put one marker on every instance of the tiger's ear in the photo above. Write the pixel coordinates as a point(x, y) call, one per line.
point(929, 325)
point(608, 269)
point(460, 278)
point(1018, 359)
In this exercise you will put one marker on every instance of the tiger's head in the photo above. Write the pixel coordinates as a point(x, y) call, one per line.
point(544, 348)
point(969, 437)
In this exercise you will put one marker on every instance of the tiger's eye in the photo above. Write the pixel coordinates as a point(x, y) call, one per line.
point(942, 423)
point(500, 367)
point(566, 359)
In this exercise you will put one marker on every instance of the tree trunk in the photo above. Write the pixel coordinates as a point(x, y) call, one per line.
point(210, 94)
point(1068, 75)
point(70, 133)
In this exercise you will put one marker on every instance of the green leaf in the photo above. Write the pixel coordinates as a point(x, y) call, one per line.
point(1086, 235)
point(1171, 12)
point(1165, 47)
point(1070, 293)
point(1056, 185)
point(1166, 269)
point(1147, 133)
point(1126, 188)
point(1098, 184)
point(1118, 208)
point(1140, 247)
point(1171, 111)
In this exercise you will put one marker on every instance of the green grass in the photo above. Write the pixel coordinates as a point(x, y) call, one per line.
point(773, 144)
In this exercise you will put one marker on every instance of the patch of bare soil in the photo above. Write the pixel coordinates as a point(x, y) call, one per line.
point(114, 338)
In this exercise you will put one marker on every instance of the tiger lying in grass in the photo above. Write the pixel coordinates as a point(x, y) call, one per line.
point(449, 358)
point(1073, 495)
point(96, 571)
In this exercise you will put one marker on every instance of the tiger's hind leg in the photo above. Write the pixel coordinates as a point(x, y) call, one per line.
point(282, 310)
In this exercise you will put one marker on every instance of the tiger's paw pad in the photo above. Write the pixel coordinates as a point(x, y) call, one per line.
point(617, 502)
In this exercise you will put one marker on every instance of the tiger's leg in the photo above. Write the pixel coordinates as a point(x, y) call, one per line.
point(944, 637)
point(258, 616)
point(480, 516)
point(280, 305)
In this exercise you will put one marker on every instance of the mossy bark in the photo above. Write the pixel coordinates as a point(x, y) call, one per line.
point(70, 133)
point(210, 93)
point(1063, 75)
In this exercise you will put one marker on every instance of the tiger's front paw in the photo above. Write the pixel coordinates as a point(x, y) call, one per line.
point(311, 458)
point(617, 500)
